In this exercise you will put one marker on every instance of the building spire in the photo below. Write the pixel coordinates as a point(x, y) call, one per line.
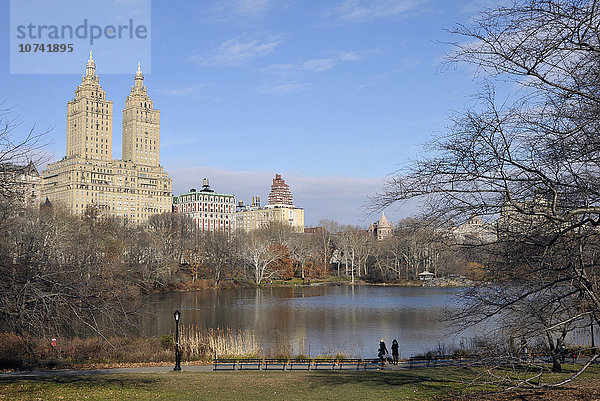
point(90, 67)
point(139, 77)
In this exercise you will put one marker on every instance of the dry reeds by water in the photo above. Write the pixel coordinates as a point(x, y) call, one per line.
point(197, 343)
point(16, 350)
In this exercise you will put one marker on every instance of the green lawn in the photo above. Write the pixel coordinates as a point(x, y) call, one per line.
point(418, 384)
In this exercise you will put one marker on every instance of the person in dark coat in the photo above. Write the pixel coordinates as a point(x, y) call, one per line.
point(395, 352)
point(383, 351)
point(563, 353)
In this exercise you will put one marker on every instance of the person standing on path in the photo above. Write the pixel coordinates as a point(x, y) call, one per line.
point(383, 351)
point(395, 352)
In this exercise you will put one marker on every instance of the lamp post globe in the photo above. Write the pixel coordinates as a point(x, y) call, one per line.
point(177, 367)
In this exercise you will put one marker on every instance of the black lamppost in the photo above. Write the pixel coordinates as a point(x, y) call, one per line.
point(177, 314)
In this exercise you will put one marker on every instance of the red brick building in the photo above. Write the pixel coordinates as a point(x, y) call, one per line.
point(280, 192)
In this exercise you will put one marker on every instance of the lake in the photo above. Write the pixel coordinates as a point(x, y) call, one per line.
point(318, 320)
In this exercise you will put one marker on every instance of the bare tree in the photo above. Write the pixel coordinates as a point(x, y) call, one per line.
point(353, 244)
point(17, 149)
point(260, 254)
point(61, 275)
point(531, 161)
point(328, 227)
point(172, 233)
point(218, 251)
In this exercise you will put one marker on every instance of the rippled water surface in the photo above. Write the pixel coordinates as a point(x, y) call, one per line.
point(318, 320)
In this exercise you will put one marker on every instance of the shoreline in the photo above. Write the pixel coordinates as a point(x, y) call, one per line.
point(205, 284)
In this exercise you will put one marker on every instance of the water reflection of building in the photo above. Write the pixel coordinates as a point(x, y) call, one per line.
point(345, 319)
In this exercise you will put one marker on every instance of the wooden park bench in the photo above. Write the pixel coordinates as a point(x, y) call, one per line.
point(249, 364)
point(275, 364)
point(372, 364)
point(299, 364)
point(418, 362)
point(224, 364)
point(350, 364)
point(463, 360)
point(443, 360)
point(320, 364)
point(541, 358)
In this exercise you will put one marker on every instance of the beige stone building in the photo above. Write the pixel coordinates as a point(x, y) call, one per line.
point(382, 228)
point(250, 219)
point(279, 210)
point(474, 231)
point(21, 183)
point(131, 189)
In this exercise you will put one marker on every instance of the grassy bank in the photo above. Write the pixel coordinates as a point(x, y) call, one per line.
point(417, 384)
point(412, 385)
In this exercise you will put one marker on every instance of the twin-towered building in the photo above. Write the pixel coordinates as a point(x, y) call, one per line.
point(132, 189)
point(137, 187)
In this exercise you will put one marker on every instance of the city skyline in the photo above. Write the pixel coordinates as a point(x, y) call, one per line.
point(132, 188)
point(332, 96)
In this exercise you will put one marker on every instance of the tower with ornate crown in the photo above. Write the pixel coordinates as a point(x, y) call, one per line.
point(141, 126)
point(130, 189)
point(89, 119)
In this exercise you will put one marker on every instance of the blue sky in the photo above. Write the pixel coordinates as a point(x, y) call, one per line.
point(333, 95)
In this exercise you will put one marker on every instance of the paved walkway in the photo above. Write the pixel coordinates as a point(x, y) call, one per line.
point(151, 369)
point(87, 372)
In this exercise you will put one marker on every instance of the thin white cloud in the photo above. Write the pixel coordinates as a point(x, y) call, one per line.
point(374, 79)
point(287, 75)
point(237, 51)
point(131, 3)
point(240, 11)
point(182, 91)
point(282, 88)
point(476, 6)
point(312, 65)
point(252, 7)
point(365, 10)
point(319, 64)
